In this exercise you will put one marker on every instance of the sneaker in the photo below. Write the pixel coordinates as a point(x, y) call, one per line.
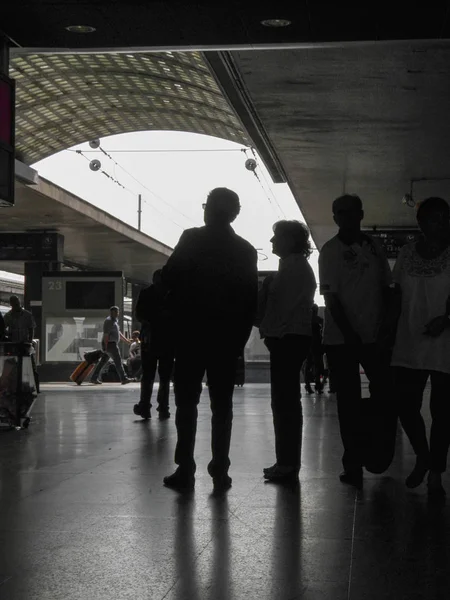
point(180, 481)
point(280, 473)
point(141, 411)
point(222, 483)
point(96, 382)
point(127, 380)
point(352, 477)
point(417, 475)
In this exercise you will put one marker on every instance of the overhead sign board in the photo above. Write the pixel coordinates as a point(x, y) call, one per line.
point(32, 247)
point(392, 240)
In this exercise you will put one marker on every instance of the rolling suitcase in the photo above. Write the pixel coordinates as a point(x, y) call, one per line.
point(86, 367)
point(82, 372)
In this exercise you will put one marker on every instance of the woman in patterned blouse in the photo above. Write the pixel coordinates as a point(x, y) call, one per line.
point(422, 344)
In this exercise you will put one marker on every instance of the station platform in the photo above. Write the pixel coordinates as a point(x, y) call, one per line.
point(84, 514)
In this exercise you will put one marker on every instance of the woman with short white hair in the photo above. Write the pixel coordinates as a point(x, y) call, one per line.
point(286, 302)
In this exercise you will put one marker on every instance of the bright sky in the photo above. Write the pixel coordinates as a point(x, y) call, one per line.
point(174, 172)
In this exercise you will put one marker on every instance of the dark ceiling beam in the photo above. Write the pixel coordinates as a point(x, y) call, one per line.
point(229, 79)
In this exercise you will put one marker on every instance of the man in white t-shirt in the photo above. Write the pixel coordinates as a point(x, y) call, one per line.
point(354, 279)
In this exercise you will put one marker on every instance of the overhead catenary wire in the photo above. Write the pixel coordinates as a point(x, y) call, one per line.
point(313, 248)
point(277, 213)
point(81, 153)
point(147, 188)
point(283, 214)
point(167, 150)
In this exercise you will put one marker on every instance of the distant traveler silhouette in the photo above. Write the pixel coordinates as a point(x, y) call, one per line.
point(20, 325)
point(213, 282)
point(134, 361)
point(157, 349)
point(286, 300)
point(314, 367)
point(354, 278)
point(422, 343)
point(110, 347)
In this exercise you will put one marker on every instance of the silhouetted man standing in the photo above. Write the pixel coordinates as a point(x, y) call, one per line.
point(354, 279)
point(213, 285)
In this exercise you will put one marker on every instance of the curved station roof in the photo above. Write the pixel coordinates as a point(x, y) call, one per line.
point(65, 99)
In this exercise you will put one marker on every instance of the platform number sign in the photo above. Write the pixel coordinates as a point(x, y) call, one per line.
point(54, 286)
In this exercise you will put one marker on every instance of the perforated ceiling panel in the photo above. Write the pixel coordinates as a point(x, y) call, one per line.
point(66, 99)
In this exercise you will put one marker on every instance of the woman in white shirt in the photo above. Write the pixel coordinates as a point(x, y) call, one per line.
point(286, 301)
point(422, 344)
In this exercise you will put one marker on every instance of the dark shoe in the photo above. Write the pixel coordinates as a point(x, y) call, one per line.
point(308, 389)
point(280, 473)
point(270, 469)
point(352, 478)
point(142, 411)
point(222, 484)
point(127, 380)
point(180, 481)
point(436, 490)
point(163, 414)
point(96, 381)
point(417, 475)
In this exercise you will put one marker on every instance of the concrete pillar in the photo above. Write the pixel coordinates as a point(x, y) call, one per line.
point(33, 291)
point(4, 55)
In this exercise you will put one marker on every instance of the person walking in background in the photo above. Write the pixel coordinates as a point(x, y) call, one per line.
point(19, 322)
point(422, 342)
point(134, 357)
point(213, 281)
point(157, 350)
point(286, 300)
point(19, 325)
point(110, 346)
point(314, 367)
point(354, 279)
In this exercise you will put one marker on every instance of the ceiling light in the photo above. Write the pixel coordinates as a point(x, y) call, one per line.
point(80, 29)
point(276, 22)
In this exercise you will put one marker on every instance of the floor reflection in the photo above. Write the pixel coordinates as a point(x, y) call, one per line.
point(86, 462)
point(185, 549)
point(286, 540)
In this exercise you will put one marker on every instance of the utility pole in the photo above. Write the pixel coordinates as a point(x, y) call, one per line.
point(139, 211)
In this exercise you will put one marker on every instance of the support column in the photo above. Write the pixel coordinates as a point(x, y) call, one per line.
point(4, 55)
point(33, 291)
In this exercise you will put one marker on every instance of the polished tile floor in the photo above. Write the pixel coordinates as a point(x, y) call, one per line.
point(83, 514)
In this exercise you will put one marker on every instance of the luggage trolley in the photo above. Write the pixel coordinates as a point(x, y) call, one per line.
point(17, 385)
